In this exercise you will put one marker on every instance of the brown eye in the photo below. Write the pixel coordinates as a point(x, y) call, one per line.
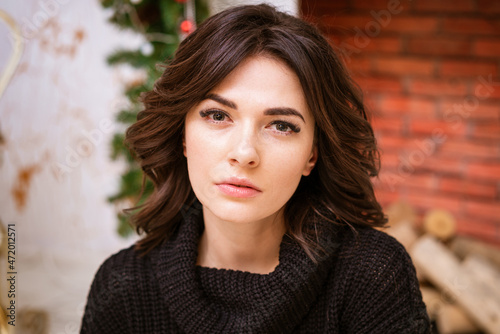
point(218, 116)
point(282, 127)
point(214, 115)
point(285, 127)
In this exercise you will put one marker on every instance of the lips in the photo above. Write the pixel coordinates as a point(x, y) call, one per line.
point(239, 182)
point(238, 188)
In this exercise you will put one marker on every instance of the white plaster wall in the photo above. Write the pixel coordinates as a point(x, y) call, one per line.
point(289, 6)
point(61, 90)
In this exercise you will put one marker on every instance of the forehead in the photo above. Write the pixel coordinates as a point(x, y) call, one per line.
point(260, 67)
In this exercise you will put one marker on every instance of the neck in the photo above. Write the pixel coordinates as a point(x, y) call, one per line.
point(253, 247)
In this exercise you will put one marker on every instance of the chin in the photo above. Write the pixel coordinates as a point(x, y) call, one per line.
point(240, 212)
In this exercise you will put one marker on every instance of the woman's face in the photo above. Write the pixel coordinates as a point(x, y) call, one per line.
point(249, 142)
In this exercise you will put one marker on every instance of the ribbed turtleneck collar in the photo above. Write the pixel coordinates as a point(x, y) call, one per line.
point(209, 300)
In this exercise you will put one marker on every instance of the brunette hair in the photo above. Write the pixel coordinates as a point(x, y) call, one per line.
point(338, 190)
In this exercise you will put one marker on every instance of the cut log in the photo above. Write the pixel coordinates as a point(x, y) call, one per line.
point(404, 233)
point(484, 271)
point(399, 212)
point(420, 274)
point(463, 246)
point(451, 319)
point(433, 301)
point(440, 223)
point(444, 270)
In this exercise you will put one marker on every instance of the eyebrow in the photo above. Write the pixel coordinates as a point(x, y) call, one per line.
point(283, 111)
point(271, 111)
point(221, 100)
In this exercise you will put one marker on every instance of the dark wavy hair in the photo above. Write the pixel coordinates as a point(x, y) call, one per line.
point(338, 190)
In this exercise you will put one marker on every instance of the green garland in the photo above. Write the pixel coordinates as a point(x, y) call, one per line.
point(158, 21)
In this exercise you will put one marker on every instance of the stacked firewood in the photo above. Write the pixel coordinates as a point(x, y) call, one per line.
point(459, 276)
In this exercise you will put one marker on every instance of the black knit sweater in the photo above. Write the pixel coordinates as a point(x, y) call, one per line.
point(366, 284)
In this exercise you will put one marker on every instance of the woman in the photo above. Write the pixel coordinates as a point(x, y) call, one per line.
point(262, 218)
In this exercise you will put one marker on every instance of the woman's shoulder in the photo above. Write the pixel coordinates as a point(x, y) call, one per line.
point(120, 258)
point(123, 279)
point(122, 267)
point(369, 242)
point(374, 282)
point(372, 255)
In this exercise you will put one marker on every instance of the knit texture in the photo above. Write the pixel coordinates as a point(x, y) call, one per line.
point(366, 283)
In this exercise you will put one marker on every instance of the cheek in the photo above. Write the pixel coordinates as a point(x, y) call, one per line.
point(194, 140)
point(285, 168)
point(193, 152)
point(292, 159)
point(202, 146)
point(202, 153)
point(197, 148)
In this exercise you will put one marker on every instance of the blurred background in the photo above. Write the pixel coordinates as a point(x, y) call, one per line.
point(430, 73)
point(70, 73)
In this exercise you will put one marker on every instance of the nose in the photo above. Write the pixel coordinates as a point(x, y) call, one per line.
point(243, 150)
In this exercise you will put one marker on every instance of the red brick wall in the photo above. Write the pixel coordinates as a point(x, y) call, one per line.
point(430, 72)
